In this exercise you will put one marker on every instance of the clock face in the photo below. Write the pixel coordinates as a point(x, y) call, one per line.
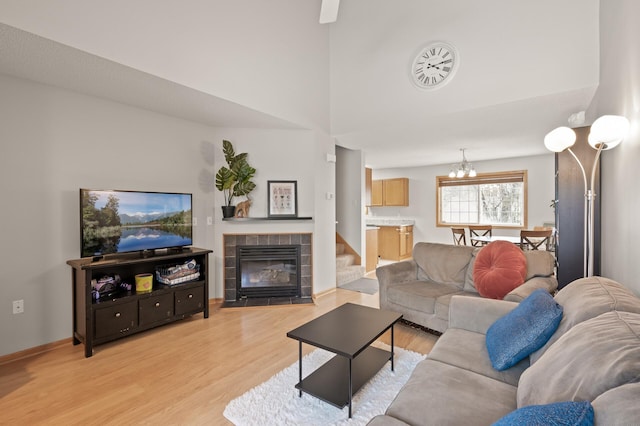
point(434, 66)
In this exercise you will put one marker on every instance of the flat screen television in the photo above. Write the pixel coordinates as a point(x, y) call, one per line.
point(115, 221)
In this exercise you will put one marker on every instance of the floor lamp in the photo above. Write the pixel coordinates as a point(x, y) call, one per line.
point(605, 133)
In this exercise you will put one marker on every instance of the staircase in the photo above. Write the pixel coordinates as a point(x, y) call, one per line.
point(346, 271)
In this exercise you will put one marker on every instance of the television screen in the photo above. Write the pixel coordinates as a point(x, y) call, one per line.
point(124, 221)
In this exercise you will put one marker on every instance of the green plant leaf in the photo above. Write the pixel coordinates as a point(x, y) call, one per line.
point(224, 179)
point(229, 153)
point(243, 188)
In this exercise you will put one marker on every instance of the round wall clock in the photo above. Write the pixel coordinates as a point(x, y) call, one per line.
point(435, 65)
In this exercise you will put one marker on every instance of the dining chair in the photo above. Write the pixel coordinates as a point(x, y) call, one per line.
point(459, 237)
point(534, 240)
point(479, 231)
point(554, 236)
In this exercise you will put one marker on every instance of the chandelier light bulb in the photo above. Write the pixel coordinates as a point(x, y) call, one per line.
point(462, 169)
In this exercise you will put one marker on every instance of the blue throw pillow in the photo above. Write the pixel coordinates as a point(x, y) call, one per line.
point(524, 330)
point(567, 413)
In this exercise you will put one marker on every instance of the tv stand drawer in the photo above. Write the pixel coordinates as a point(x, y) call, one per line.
point(155, 309)
point(189, 300)
point(117, 319)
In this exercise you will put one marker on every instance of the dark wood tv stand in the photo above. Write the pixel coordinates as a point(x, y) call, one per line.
point(126, 313)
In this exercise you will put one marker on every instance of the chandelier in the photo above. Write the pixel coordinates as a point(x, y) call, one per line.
point(463, 169)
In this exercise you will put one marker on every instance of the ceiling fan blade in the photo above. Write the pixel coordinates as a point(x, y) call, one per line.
point(329, 11)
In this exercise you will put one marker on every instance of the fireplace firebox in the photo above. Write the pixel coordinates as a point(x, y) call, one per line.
point(268, 271)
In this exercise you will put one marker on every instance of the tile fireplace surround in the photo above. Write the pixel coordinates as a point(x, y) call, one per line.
point(233, 240)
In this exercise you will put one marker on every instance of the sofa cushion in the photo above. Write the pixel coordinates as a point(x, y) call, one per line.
point(594, 356)
point(618, 406)
point(443, 303)
point(523, 330)
point(441, 394)
point(540, 263)
point(469, 285)
point(419, 295)
point(468, 350)
point(499, 268)
point(587, 298)
point(442, 263)
point(567, 413)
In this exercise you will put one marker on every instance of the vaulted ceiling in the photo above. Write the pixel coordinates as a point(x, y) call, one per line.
point(525, 67)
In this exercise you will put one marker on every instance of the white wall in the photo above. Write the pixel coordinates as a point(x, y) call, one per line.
point(619, 93)
point(422, 194)
point(271, 56)
point(349, 197)
point(298, 155)
point(55, 142)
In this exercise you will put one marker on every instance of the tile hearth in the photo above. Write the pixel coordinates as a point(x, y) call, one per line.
point(266, 301)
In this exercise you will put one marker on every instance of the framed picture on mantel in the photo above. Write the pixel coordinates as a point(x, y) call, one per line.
point(283, 198)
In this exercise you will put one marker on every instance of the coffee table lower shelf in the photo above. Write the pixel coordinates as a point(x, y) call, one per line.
point(330, 382)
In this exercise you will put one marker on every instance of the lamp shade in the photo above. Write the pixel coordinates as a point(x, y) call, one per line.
point(609, 130)
point(560, 139)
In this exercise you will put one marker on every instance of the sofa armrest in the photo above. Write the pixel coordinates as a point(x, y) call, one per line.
point(393, 274)
point(521, 292)
point(476, 313)
point(396, 273)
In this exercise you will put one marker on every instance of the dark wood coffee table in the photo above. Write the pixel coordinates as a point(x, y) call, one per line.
point(347, 331)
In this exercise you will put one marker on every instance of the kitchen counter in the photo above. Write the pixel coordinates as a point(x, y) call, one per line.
point(388, 221)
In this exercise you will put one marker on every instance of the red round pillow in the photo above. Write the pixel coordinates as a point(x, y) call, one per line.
point(500, 267)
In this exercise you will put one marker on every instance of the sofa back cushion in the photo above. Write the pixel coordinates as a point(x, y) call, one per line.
point(594, 356)
point(442, 263)
point(469, 285)
point(587, 298)
point(540, 263)
point(618, 406)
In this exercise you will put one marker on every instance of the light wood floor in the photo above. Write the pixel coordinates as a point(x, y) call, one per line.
point(184, 373)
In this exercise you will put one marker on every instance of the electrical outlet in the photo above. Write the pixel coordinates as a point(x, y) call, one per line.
point(18, 306)
point(195, 221)
point(209, 220)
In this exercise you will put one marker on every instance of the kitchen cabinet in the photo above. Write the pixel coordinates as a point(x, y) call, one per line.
point(390, 192)
point(395, 242)
point(395, 192)
point(406, 241)
point(368, 181)
point(376, 193)
point(372, 249)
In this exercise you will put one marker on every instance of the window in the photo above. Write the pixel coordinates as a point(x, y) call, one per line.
point(498, 199)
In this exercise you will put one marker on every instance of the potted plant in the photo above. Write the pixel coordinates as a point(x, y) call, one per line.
point(234, 180)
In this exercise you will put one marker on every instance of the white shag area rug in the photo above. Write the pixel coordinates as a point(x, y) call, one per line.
point(276, 401)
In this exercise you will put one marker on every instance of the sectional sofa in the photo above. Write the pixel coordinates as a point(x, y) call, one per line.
point(421, 288)
point(591, 361)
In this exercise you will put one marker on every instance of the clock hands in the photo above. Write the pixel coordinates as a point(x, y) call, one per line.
point(436, 65)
